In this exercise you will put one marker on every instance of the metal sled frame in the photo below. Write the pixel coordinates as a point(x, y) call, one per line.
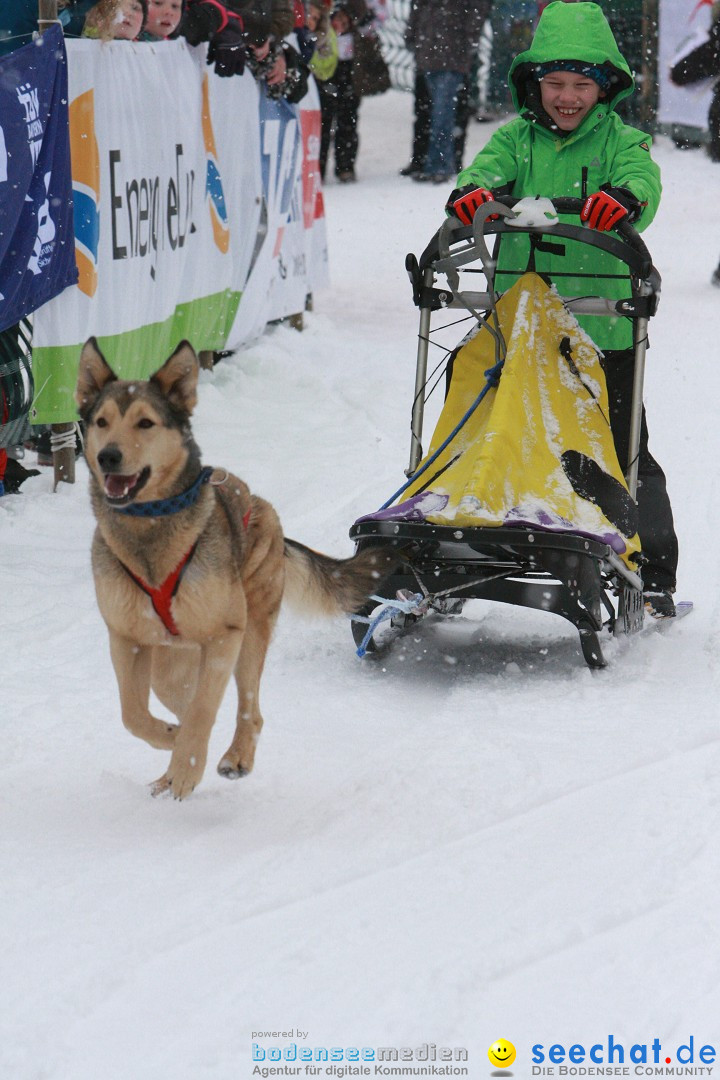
point(573, 576)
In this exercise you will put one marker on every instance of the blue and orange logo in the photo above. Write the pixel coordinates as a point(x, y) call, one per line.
point(214, 194)
point(86, 189)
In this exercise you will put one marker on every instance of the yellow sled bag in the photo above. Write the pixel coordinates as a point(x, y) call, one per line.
point(537, 450)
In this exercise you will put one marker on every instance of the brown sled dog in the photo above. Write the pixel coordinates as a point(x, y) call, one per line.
point(190, 567)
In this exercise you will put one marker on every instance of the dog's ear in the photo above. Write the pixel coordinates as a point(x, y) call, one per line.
point(93, 374)
point(177, 378)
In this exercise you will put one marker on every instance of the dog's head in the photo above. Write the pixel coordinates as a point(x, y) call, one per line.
point(138, 439)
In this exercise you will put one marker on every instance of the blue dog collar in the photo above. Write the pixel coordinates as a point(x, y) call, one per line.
point(163, 507)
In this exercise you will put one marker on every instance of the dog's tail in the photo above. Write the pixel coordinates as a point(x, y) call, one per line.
point(318, 584)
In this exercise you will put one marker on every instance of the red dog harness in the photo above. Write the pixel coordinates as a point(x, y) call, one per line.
point(162, 597)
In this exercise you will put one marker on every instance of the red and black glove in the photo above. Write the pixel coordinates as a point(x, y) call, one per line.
point(610, 205)
point(464, 202)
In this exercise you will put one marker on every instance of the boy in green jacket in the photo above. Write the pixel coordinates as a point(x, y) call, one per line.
point(567, 141)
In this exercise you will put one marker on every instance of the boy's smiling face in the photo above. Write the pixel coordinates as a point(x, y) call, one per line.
point(568, 97)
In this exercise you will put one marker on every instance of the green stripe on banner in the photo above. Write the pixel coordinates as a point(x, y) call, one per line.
point(136, 354)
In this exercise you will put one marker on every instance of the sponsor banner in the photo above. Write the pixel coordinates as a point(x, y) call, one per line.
point(684, 25)
point(176, 214)
point(289, 257)
point(235, 111)
point(36, 216)
point(312, 195)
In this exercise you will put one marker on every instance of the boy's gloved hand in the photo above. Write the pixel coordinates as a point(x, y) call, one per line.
point(227, 50)
point(464, 202)
point(608, 206)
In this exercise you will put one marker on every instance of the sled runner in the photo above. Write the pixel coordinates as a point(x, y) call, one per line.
point(520, 497)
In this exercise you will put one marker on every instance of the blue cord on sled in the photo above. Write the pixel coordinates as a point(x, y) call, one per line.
point(389, 609)
point(492, 376)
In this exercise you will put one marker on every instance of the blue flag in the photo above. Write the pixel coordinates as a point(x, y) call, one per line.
point(37, 245)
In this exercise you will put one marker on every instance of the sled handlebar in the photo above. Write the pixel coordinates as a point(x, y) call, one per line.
point(623, 229)
point(624, 242)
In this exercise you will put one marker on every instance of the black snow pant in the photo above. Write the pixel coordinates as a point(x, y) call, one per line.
point(327, 94)
point(657, 531)
point(341, 110)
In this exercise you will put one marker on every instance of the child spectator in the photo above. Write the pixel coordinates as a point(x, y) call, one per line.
point(163, 19)
point(323, 64)
point(116, 20)
point(347, 19)
point(566, 87)
point(345, 104)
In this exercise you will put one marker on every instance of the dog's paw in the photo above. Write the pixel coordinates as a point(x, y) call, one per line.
point(231, 770)
point(181, 779)
point(179, 785)
point(160, 788)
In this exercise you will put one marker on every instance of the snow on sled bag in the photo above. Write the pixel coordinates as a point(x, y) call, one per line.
point(520, 497)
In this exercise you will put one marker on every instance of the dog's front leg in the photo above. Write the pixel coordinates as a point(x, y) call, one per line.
point(239, 758)
point(132, 668)
point(187, 764)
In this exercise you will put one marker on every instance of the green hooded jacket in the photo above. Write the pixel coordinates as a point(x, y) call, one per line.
point(528, 157)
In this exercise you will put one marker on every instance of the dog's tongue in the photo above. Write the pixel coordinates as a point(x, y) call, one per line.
point(117, 487)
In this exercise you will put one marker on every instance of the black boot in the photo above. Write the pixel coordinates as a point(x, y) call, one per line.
point(659, 604)
point(16, 474)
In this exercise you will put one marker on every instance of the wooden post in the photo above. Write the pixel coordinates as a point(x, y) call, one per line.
point(64, 458)
point(47, 13)
point(206, 359)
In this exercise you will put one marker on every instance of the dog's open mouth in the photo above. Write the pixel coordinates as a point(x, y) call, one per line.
point(121, 489)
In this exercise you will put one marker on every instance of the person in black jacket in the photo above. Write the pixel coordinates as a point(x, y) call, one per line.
point(230, 28)
point(421, 118)
point(443, 35)
point(704, 63)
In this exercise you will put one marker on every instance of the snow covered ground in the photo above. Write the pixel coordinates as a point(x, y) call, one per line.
point(475, 838)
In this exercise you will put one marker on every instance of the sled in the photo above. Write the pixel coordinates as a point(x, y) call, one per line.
point(520, 498)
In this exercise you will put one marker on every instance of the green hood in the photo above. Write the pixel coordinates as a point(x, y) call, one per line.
point(570, 31)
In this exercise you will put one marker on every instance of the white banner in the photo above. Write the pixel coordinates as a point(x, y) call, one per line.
point(289, 256)
point(198, 213)
point(683, 25)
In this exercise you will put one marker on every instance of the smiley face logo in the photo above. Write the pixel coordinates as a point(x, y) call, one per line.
point(501, 1053)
